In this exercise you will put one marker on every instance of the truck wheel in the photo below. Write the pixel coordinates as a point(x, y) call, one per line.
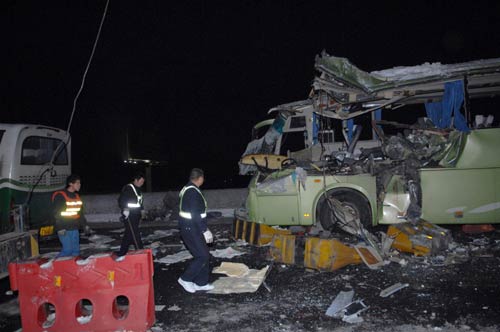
point(354, 201)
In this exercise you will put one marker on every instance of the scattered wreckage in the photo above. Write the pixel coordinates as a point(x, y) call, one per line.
point(327, 163)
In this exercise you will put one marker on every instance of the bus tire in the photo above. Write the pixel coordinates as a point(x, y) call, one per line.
point(356, 202)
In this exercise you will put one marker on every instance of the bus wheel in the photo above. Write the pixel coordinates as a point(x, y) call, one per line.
point(355, 202)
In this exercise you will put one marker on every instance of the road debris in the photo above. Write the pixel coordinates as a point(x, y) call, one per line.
point(420, 239)
point(341, 301)
point(159, 307)
point(343, 307)
point(240, 278)
point(175, 258)
point(228, 252)
point(174, 307)
point(393, 289)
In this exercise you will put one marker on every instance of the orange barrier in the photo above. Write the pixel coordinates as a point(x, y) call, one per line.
point(97, 294)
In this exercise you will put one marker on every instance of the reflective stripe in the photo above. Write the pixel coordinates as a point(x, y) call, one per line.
point(68, 213)
point(181, 195)
point(73, 205)
point(185, 215)
point(138, 197)
point(133, 205)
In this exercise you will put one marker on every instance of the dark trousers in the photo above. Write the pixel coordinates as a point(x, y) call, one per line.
point(192, 235)
point(130, 233)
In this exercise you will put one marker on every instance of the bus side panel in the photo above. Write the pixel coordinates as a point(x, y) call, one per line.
point(463, 196)
point(5, 202)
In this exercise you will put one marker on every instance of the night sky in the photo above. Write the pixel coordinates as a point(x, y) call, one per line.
point(187, 80)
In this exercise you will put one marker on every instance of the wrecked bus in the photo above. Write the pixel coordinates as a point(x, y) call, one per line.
point(328, 159)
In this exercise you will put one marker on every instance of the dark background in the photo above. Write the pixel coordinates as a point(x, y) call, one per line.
point(188, 80)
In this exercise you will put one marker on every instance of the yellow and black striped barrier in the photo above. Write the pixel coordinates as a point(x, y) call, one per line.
point(255, 233)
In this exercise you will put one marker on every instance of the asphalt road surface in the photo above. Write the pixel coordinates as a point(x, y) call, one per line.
point(459, 294)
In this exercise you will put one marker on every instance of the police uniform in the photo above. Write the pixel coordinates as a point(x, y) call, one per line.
point(131, 199)
point(68, 214)
point(192, 224)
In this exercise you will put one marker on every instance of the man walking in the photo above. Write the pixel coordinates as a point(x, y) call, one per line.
point(195, 234)
point(68, 213)
point(131, 205)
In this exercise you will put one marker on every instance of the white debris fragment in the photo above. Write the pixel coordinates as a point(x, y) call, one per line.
point(345, 308)
point(246, 283)
point(9, 292)
point(84, 319)
point(154, 245)
point(83, 261)
point(101, 239)
point(342, 300)
point(174, 308)
point(159, 307)
point(241, 243)
point(226, 253)
point(98, 242)
point(393, 289)
point(353, 319)
point(175, 258)
point(400, 261)
point(47, 265)
point(49, 321)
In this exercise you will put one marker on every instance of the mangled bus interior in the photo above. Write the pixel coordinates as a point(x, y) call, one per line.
point(338, 155)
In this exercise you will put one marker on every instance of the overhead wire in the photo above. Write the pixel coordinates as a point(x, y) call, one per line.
point(63, 143)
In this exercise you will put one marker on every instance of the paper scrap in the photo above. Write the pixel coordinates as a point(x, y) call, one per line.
point(226, 253)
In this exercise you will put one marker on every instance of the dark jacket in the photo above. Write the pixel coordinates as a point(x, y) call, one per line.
point(129, 200)
point(193, 202)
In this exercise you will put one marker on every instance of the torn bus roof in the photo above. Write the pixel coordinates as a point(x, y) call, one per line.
point(345, 84)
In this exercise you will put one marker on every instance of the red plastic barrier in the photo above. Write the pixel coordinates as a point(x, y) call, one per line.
point(97, 294)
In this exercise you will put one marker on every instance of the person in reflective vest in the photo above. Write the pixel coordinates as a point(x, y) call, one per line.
point(195, 233)
point(67, 209)
point(131, 205)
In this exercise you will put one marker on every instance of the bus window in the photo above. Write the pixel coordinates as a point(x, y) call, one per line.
point(38, 150)
point(365, 120)
point(292, 141)
point(297, 122)
point(326, 136)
